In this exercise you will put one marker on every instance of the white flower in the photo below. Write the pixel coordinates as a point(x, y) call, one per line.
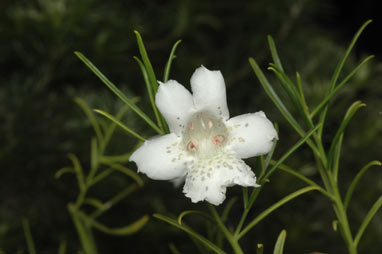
point(205, 147)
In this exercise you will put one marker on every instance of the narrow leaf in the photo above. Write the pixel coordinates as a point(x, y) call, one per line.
point(91, 117)
point(78, 170)
point(191, 232)
point(117, 92)
point(341, 64)
point(169, 61)
point(149, 90)
point(228, 208)
point(93, 202)
point(62, 171)
point(147, 63)
point(203, 214)
point(293, 172)
point(101, 176)
point(274, 207)
point(373, 210)
point(83, 230)
point(356, 179)
point(275, 55)
point(337, 138)
point(120, 124)
point(290, 151)
point(126, 230)
point(274, 97)
point(279, 246)
point(292, 92)
point(324, 102)
point(127, 172)
point(28, 237)
point(62, 247)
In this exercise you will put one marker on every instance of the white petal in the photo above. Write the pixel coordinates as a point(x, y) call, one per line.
point(209, 92)
point(251, 134)
point(175, 103)
point(161, 158)
point(208, 179)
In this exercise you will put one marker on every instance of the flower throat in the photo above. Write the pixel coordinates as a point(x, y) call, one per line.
point(204, 135)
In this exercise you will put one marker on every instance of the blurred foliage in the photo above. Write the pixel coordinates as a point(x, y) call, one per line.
point(40, 123)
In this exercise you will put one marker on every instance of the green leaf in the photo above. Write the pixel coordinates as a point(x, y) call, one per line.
point(330, 95)
point(228, 235)
point(101, 176)
point(373, 210)
point(191, 232)
point(118, 92)
point(292, 92)
point(275, 206)
point(173, 249)
point(62, 247)
point(274, 97)
point(91, 117)
point(334, 151)
point(93, 202)
point(78, 170)
point(28, 237)
point(94, 160)
point(356, 179)
point(341, 64)
point(84, 232)
point(127, 172)
point(302, 95)
point(203, 214)
point(279, 246)
point(289, 170)
point(147, 63)
point(62, 171)
point(116, 158)
point(110, 130)
point(169, 61)
point(113, 201)
point(275, 55)
point(337, 72)
point(120, 124)
point(228, 208)
point(279, 104)
point(126, 230)
point(287, 154)
point(245, 196)
point(149, 89)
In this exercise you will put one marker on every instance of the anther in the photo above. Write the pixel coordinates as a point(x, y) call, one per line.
point(192, 146)
point(218, 139)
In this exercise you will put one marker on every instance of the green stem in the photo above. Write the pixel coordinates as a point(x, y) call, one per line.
point(231, 239)
point(340, 211)
point(252, 199)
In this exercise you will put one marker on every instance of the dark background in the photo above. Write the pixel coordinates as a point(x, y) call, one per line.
point(40, 123)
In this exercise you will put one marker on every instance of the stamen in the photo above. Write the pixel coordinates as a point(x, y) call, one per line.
point(192, 146)
point(191, 126)
point(210, 124)
point(218, 139)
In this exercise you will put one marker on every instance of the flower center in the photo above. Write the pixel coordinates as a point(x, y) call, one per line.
point(204, 135)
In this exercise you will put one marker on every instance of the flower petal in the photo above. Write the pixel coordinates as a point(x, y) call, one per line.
point(208, 179)
point(209, 92)
point(175, 103)
point(251, 134)
point(161, 158)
